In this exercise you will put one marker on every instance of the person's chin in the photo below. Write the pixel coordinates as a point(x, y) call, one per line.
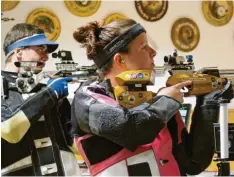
point(152, 67)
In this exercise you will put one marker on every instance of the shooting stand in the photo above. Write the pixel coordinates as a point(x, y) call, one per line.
point(222, 141)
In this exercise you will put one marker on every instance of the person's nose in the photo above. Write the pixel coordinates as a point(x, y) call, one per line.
point(44, 57)
point(152, 53)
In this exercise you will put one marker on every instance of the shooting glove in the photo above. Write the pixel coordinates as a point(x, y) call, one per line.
point(59, 86)
point(208, 106)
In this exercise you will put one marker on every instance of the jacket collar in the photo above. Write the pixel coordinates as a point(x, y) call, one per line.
point(10, 76)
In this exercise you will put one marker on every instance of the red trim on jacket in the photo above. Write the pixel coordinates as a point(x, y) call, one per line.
point(162, 147)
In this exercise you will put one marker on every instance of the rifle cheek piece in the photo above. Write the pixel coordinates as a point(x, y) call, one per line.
point(132, 87)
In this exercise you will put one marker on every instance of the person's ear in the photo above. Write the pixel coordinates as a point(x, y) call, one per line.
point(18, 54)
point(119, 60)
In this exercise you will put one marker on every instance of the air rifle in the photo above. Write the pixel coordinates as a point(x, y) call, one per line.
point(205, 80)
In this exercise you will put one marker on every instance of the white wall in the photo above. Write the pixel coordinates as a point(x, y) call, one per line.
point(216, 46)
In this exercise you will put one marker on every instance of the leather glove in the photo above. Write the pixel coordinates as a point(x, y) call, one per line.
point(208, 106)
point(59, 86)
point(210, 99)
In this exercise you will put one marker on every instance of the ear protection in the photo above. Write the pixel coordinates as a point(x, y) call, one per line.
point(122, 61)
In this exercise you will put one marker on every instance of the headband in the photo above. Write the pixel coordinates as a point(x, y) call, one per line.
point(117, 44)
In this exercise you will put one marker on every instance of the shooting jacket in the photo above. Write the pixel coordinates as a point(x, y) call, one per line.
point(34, 134)
point(102, 130)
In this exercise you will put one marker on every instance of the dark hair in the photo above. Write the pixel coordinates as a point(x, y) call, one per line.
point(95, 37)
point(20, 31)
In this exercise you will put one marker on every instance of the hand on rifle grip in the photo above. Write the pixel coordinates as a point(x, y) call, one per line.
point(59, 86)
point(175, 91)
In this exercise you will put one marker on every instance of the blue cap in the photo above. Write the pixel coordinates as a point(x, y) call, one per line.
point(34, 40)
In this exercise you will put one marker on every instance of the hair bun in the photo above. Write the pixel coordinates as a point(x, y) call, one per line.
point(87, 34)
point(81, 34)
point(95, 30)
